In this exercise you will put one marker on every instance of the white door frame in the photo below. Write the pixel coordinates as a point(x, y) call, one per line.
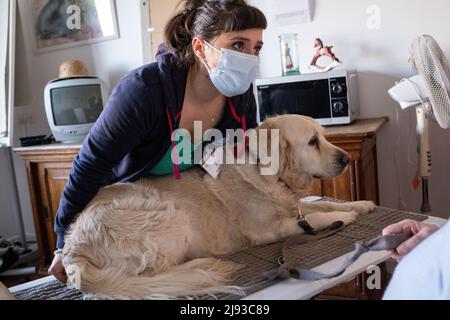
point(9, 139)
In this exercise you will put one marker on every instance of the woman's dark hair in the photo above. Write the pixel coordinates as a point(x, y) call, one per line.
point(207, 19)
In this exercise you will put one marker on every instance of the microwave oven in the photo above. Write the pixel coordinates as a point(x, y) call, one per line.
point(329, 97)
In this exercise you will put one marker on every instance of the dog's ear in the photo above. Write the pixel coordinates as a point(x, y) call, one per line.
point(290, 167)
point(268, 125)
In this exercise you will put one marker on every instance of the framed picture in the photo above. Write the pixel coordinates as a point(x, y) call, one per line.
point(59, 24)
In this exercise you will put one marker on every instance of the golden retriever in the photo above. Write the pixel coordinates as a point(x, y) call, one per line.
point(158, 237)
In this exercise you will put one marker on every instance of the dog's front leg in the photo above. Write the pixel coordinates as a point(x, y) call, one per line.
point(361, 207)
point(322, 220)
point(281, 228)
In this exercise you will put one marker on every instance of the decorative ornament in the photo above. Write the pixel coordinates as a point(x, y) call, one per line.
point(324, 51)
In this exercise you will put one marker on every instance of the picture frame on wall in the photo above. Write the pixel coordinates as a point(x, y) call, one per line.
point(61, 24)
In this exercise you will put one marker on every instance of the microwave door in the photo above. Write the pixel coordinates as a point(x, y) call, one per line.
point(308, 98)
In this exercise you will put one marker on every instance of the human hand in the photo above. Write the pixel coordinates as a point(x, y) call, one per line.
point(418, 231)
point(57, 269)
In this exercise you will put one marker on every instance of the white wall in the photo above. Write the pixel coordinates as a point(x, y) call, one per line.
point(109, 60)
point(381, 57)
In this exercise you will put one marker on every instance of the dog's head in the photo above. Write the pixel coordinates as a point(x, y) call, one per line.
point(305, 153)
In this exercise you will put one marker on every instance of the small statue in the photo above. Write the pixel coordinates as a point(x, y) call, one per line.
point(322, 51)
point(288, 57)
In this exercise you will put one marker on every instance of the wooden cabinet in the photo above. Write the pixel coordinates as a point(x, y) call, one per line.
point(48, 169)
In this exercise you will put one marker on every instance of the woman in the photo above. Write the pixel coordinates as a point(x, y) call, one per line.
point(203, 73)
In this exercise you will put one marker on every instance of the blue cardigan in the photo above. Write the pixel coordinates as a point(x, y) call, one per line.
point(134, 132)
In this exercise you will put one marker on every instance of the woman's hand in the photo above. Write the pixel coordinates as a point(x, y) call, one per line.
point(418, 231)
point(57, 269)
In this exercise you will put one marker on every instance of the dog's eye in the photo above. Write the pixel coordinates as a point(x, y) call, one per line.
point(313, 142)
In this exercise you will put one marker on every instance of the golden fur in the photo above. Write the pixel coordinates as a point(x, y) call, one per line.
point(158, 237)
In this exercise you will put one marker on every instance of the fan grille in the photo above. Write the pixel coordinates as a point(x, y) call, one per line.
point(430, 62)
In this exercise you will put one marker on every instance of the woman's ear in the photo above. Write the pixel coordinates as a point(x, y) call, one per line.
point(199, 48)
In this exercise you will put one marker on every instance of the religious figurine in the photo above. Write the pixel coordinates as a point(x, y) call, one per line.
point(288, 57)
point(324, 51)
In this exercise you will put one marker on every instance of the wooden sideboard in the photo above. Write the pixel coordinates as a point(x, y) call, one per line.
point(48, 168)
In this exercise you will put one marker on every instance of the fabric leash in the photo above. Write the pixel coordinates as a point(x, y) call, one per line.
point(283, 271)
point(287, 270)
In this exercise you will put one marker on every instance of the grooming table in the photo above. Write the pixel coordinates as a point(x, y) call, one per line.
point(324, 255)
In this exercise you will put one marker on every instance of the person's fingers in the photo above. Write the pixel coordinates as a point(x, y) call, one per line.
point(60, 275)
point(57, 269)
point(407, 246)
point(398, 228)
point(397, 257)
point(419, 232)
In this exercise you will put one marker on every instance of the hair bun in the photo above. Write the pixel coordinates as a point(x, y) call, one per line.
point(192, 5)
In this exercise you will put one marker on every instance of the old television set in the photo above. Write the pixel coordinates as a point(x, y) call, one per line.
point(73, 105)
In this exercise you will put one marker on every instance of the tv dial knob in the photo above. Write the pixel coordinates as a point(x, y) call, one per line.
point(337, 89)
point(338, 107)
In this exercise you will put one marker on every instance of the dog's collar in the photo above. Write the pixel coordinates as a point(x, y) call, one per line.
point(302, 223)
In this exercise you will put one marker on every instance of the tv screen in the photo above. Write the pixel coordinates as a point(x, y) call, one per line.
point(76, 105)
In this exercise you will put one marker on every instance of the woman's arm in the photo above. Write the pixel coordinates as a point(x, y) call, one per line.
point(126, 120)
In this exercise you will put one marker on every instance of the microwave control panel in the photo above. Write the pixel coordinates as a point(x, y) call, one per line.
point(339, 97)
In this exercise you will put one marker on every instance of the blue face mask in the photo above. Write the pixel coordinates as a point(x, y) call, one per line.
point(234, 73)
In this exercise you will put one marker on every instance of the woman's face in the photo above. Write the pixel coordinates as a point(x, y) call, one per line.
point(246, 41)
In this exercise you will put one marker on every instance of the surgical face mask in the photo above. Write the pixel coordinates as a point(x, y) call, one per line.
point(234, 73)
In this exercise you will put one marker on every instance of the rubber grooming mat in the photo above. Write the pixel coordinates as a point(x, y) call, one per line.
point(264, 258)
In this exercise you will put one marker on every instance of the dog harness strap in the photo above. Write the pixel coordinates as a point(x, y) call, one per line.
point(285, 263)
point(176, 168)
point(302, 223)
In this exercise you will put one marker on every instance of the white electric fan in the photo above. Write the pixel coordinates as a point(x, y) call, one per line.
point(429, 93)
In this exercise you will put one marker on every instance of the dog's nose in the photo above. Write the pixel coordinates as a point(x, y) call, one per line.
point(344, 159)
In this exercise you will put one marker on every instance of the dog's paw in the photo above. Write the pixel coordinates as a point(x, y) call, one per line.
point(349, 217)
point(363, 207)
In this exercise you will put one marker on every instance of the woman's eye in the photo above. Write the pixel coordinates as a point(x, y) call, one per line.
point(257, 50)
point(239, 46)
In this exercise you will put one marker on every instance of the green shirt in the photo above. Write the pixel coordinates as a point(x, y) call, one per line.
point(165, 165)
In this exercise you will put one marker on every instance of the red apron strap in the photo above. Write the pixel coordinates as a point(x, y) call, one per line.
point(176, 168)
point(243, 123)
